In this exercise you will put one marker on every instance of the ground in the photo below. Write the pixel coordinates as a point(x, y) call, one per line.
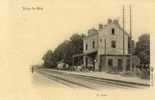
point(80, 81)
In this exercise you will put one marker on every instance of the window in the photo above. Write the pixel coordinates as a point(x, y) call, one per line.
point(120, 64)
point(128, 65)
point(110, 62)
point(93, 44)
point(113, 31)
point(113, 44)
point(100, 40)
point(86, 61)
point(86, 46)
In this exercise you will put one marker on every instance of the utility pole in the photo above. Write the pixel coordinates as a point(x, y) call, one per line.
point(123, 30)
point(130, 38)
point(105, 46)
point(130, 23)
point(105, 50)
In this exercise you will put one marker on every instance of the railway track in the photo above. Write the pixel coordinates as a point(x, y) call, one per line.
point(81, 81)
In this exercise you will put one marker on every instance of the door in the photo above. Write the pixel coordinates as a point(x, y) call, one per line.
point(120, 65)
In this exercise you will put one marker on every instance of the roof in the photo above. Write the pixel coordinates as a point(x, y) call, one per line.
point(78, 55)
point(118, 25)
point(93, 31)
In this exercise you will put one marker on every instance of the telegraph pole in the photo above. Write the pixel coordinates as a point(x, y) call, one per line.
point(123, 30)
point(130, 23)
point(130, 38)
point(105, 48)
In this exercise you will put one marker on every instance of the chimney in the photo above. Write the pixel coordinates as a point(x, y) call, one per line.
point(109, 21)
point(100, 26)
point(115, 21)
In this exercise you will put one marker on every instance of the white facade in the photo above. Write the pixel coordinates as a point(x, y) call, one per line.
point(106, 37)
point(88, 43)
point(103, 40)
point(104, 48)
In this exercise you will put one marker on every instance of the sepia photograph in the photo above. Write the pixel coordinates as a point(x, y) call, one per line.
point(77, 50)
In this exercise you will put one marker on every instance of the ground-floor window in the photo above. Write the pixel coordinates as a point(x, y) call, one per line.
point(110, 62)
point(86, 61)
point(128, 65)
point(120, 63)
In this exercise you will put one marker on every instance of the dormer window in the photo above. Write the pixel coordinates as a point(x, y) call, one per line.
point(113, 31)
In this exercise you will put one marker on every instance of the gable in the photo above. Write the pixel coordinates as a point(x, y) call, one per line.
point(108, 28)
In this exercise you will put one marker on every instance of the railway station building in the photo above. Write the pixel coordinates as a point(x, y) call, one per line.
point(107, 49)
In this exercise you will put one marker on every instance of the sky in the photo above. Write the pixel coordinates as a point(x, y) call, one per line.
point(32, 32)
point(26, 35)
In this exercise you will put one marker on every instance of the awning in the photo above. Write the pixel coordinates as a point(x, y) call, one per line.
point(84, 54)
point(78, 55)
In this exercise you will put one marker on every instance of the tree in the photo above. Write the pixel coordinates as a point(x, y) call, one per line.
point(68, 48)
point(143, 48)
point(75, 46)
point(77, 43)
point(49, 60)
point(61, 51)
point(65, 51)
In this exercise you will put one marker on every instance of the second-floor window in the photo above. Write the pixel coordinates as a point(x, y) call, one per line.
point(112, 31)
point(113, 44)
point(100, 40)
point(93, 44)
point(86, 46)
